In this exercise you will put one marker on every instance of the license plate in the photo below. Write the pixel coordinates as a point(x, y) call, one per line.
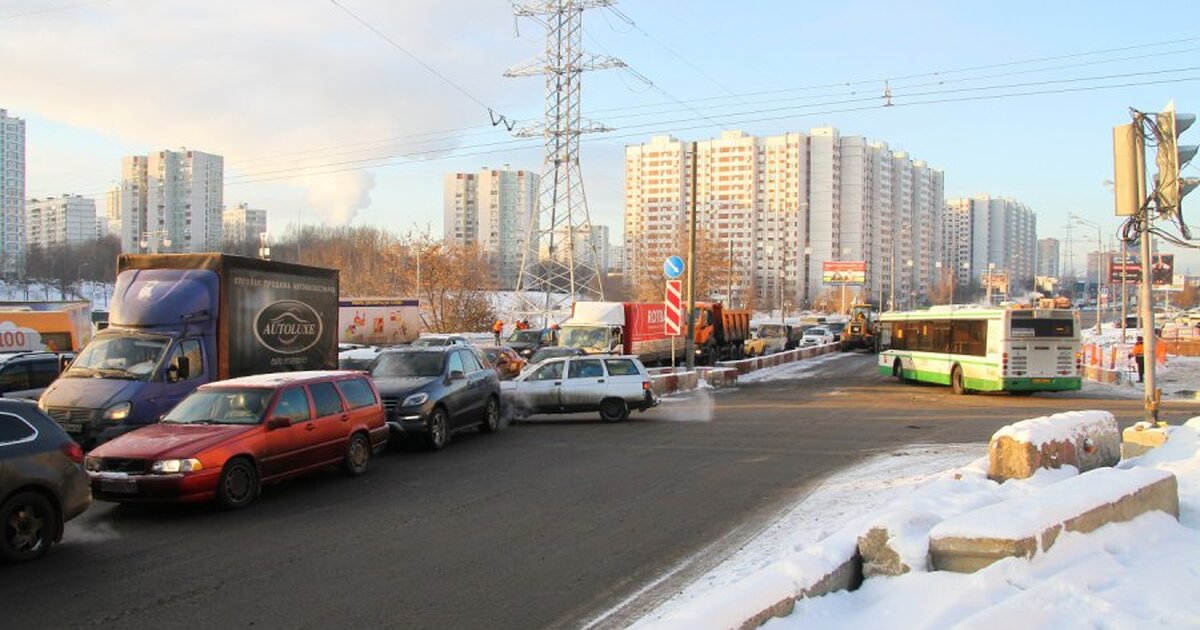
point(119, 485)
point(1041, 381)
point(71, 427)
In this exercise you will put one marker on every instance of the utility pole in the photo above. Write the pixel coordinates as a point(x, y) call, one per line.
point(690, 344)
point(549, 267)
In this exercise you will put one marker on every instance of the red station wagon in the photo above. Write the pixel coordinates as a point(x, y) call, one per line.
point(228, 438)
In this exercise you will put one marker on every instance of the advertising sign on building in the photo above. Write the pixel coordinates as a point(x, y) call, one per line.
point(995, 280)
point(844, 272)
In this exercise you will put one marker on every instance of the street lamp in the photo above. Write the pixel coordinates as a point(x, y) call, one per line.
point(153, 239)
point(1100, 264)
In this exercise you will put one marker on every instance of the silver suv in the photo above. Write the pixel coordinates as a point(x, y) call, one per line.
point(609, 384)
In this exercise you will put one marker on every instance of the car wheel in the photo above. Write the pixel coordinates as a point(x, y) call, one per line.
point(491, 416)
point(613, 410)
point(358, 455)
point(30, 521)
point(439, 430)
point(956, 381)
point(238, 485)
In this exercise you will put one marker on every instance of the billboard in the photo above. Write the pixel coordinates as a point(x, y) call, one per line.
point(1128, 270)
point(995, 280)
point(844, 272)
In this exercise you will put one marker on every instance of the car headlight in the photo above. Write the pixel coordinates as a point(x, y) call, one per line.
point(171, 466)
point(92, 464)
point(41, 404)
point(415, 399)
point(118, 412)
point(528, 352)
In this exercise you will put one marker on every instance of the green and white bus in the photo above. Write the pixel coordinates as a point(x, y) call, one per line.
point(975, 348)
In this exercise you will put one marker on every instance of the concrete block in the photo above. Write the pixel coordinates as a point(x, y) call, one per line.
point(848, 576)
point(1141, 438)
point(1029, 524)
point(1083, 439)
point(878, 558)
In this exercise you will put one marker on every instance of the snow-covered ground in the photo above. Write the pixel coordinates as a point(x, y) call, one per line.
point(1135, 574)
point(791, 371)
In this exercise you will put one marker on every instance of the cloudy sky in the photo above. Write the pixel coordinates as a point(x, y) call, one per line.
point(321, 119)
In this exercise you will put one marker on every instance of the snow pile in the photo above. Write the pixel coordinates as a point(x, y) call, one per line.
point(1068, 426)
point(1181, 456)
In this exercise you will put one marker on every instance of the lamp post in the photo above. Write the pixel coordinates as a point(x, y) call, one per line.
point(151, 240)
point(1099, 266)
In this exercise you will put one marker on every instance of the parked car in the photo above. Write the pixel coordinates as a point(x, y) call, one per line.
point(775, 336)
point(28, 374)
point(553, 352)
point(504, 360)
point(432, 392)
point(609, 384)
point(527, 342)
point(754, 347)
point(796, 334)
point(835, 329)
point(228, 438)
point(359, 358)
point(42, 483)
point(433, 341)
point(817, 336)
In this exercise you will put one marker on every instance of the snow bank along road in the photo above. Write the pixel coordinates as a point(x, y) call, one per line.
point(553, 523)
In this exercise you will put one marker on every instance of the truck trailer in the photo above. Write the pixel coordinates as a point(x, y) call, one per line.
point(639, 329)
point(178, 321)
point(45, 326)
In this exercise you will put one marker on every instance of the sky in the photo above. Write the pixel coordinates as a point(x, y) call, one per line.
point(322, 118)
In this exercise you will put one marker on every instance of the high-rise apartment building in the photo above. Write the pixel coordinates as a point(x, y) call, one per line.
point(491, 209)
point(984, 232)
point(783, 205)
point(65, 220)
point(1048, 257)
point(243, 224)
point(12, 194)
point(170, 201)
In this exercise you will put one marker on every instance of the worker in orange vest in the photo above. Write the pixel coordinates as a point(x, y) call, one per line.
point(1139, 356)
point(497, 328)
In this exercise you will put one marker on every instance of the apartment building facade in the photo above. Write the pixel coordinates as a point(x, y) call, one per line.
point(169, 201)
point(783, 205)
point(491, 209)
point(243, 224)
point(1049, 254)
point(997, 233)
point(12, 195)
point(65, 220)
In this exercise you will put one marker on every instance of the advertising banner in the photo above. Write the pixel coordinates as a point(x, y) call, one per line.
point(844, 272)
point(1128, 270)
point(995, 280)
point(280, 321)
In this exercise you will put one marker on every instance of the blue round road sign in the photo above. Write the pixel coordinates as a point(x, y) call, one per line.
point(673, 267)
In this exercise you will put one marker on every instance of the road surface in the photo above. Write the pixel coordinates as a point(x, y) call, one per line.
point(547, 524)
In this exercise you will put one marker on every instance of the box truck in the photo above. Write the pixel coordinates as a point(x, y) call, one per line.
point(639, 329)
point(177, 321)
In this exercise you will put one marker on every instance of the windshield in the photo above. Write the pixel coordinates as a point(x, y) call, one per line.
point(815, 332)
point(402, 364)
point(120, 356)
point(221, 406)
point(1043, 328)
point(526, 336)
point(429, 342)
point(592, 338)
point(836, 328)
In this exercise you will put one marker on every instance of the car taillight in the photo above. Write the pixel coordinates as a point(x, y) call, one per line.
point(73, 451)
point(1004, 362)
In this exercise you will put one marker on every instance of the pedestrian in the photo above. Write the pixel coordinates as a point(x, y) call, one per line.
point(497, 328)
point(1139, 357)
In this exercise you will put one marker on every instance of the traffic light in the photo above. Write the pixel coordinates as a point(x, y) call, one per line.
point(1171, 157)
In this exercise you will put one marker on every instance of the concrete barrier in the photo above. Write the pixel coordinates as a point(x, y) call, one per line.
point(1083, 439)
point(667, 382)
point(746, 366)
point(1029, 524)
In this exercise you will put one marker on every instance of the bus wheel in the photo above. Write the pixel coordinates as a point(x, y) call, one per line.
point(956, 381)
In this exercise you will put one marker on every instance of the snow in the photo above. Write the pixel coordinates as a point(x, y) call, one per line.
point(795, 370)
point(1124, 575)
point(1035, 513)
point(1060, 427)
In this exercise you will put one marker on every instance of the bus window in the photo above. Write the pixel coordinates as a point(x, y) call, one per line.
point(969, 337)
point(1042, 328)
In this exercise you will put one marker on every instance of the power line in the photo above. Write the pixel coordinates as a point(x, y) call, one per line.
point(496, 118)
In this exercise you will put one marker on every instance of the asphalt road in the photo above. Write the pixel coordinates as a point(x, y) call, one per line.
point(552, 523)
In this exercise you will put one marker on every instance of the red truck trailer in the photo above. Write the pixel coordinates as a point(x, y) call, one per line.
point(639, 329)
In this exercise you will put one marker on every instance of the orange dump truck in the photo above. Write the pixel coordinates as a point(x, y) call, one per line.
point(45, 326)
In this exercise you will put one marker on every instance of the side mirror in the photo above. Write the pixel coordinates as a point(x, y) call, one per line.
point(173, 373)
point(278, 422)
point(457, 375)
point(64, 363)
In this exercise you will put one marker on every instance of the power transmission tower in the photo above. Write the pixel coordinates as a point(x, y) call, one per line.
point(552, 274)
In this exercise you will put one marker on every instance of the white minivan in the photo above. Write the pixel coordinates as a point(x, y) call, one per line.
point(609, 384)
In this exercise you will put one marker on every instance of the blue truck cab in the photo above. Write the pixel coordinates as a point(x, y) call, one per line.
point(177, 321)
